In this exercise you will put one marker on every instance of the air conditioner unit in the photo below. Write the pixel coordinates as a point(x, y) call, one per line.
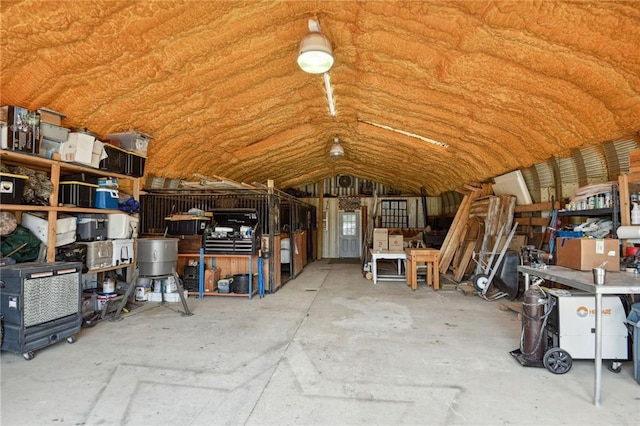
point(345, 181)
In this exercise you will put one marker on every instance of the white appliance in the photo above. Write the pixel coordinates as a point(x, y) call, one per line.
point(37, 223)
point(572, 322)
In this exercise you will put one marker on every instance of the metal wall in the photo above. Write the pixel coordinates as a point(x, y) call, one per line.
point(560, 177)
point(154, 208)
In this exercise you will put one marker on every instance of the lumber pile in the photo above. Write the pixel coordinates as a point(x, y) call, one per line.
point(477, 229)
point(458, 229)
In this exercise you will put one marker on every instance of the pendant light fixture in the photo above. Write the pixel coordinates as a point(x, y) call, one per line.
point(337, 150)
point(315, 55)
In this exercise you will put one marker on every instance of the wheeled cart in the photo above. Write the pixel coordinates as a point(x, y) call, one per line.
point(40, 304)
point(570, 331)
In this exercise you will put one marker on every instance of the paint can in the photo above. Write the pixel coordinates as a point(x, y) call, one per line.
point(143, 288)
point(103, 299)
point(141, 294)
point(109, 285)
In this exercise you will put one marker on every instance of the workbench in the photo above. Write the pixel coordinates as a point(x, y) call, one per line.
point(376, 255)
point(616, 283)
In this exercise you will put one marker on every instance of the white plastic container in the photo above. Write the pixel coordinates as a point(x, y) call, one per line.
point(37, 223)
point(635, 214)
point(132, 141)
point(122, 226)
point(122, 252)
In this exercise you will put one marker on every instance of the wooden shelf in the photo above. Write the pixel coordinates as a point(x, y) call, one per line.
point(56, 168)
point(35, 208)
point(34, 161)
point(110, 268)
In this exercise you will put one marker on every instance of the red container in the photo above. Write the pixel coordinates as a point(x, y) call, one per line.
point(631, 251)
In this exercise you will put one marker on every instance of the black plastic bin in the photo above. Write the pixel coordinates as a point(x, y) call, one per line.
point(241, 283)
point(79, 194)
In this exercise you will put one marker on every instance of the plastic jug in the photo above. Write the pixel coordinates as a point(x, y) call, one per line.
point(635, 214)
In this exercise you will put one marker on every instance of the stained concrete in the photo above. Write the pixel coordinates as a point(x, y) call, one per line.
point(328, 348)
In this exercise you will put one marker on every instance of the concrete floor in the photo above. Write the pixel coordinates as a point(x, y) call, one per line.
point(328, 348)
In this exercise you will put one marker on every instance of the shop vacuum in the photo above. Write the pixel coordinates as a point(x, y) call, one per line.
point(557, 327)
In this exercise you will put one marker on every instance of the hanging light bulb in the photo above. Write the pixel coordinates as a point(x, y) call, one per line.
point(315, 55)
point(337, 150)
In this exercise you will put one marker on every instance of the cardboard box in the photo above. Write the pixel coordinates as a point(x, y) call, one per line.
point(396, 242)
point(211, 278)
point(98, 154)
point(84, 147)
point(587, 253)
point(380, 239)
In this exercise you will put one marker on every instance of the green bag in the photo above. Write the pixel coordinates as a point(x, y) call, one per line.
point(17, 238)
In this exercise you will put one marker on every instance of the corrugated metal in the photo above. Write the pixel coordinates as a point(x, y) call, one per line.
point(567, 170)
point(617, 155)
point(590, 165)
point(545, 175)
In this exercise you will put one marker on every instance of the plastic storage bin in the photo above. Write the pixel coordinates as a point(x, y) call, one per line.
point(132, 141)
point(54, 133)
point(116, 160)
point(11, 188)
point(79, 194)
point(37, 223)
point(192, 226)
point(135, 164)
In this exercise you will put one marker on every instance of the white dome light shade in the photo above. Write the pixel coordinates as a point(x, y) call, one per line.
point(315, 55)
point(336, 149)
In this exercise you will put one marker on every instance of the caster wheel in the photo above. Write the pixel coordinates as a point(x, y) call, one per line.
point(557, 361)
point(614, 366)
point(71, 339)
point(480, 282)
point(28, 355)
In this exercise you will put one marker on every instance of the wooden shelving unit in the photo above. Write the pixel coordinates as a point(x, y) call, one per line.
point(55, 168)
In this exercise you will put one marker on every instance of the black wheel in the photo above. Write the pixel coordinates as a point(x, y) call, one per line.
point(614, 366)
point(557, 361)
point(481, 282)
point(28, 355)
point(71, 339)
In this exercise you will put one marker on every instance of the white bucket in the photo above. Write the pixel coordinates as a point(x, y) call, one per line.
point(170, 285)
point(109, 286)
point(103, 299)
point(142, 293)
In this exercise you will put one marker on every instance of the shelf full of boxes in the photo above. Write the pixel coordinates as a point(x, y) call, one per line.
point(81, 182)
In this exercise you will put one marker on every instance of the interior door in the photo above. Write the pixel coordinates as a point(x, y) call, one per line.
point(349, 237)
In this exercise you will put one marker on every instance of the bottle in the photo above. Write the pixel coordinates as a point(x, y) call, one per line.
point(635, 214)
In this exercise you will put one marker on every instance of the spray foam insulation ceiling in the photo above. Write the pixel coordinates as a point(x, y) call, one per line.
point(504, 84)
